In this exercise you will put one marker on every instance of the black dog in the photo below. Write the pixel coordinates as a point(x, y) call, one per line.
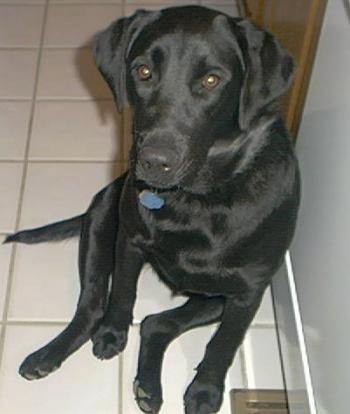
point(210, 200)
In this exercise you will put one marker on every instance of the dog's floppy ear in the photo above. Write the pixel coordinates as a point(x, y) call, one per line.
point(110, 48)
point(269, 70)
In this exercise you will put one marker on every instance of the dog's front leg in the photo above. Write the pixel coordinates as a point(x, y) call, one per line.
point(157, 331)
point(111, 336)
point(204, 395)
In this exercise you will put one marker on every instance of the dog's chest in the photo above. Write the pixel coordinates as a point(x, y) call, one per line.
point(182, 241)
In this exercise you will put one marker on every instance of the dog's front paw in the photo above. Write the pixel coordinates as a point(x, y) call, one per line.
point(38, 365)
point(108, 342)
point(149, 401)
point(203, 398)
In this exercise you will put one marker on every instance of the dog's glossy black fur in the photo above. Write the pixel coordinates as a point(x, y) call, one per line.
point(209, 141)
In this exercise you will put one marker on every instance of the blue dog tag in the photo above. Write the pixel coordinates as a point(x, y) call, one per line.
point(151, 200)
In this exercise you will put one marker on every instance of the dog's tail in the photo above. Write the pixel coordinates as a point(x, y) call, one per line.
point(58, 231)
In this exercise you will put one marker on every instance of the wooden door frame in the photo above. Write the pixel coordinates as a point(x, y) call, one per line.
point(293, 104)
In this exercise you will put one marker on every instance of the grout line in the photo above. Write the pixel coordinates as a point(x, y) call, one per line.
point(22, 322)
point(58, 99)
point(77, 99)
point(53, 2)
point(11, 161)
point(22, 3)
point(90, 3)
point(86, 98)
point(15, 99)
point(263, 325)
point(24, 176)
point(62, 161)
point(18, 48)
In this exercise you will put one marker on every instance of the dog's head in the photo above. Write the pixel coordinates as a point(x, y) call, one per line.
point(193, 77)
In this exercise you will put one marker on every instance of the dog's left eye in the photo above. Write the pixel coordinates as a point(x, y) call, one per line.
point(144, 72)
point(211, 81)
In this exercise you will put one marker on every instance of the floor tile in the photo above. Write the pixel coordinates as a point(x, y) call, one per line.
point(262, 359)
point(17, 73)
point(14, 123)
point(5, 257)
point(178, 370)
point(27, 34)
point(80, 23)
point(71, 73)
point(83, 130)
point(153, 295)
point(83, 385)
point(10, 185)
point(55, 191)
point(265, 314)
point(45, 283)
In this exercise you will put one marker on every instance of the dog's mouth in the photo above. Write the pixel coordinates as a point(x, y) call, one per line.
point(155, 188)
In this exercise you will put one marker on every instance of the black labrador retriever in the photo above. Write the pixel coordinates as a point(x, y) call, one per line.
point(210, 199)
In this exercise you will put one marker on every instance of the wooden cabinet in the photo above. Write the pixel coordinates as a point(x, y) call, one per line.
point(297, 24)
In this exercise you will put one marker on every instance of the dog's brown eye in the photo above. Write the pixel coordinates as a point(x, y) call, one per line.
point(144, 72)
point(211, 81)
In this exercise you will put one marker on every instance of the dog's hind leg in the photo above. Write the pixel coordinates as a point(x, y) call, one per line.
point(157, 331)
point(96, 262)
point(111, 335)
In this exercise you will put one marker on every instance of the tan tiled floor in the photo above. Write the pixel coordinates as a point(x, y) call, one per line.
point(60, 141)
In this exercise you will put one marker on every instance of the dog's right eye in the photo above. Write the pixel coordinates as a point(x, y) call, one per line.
point(144, 72)
point(210, 81)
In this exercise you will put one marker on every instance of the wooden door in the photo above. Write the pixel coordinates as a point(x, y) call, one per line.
point(297, 24)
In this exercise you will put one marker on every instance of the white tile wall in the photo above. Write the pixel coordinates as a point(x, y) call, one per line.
point(60, 136)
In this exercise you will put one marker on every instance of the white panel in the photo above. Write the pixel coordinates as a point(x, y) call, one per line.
point(320, 252)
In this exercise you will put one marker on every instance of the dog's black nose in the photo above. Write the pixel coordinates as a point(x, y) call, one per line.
point(157, 161)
